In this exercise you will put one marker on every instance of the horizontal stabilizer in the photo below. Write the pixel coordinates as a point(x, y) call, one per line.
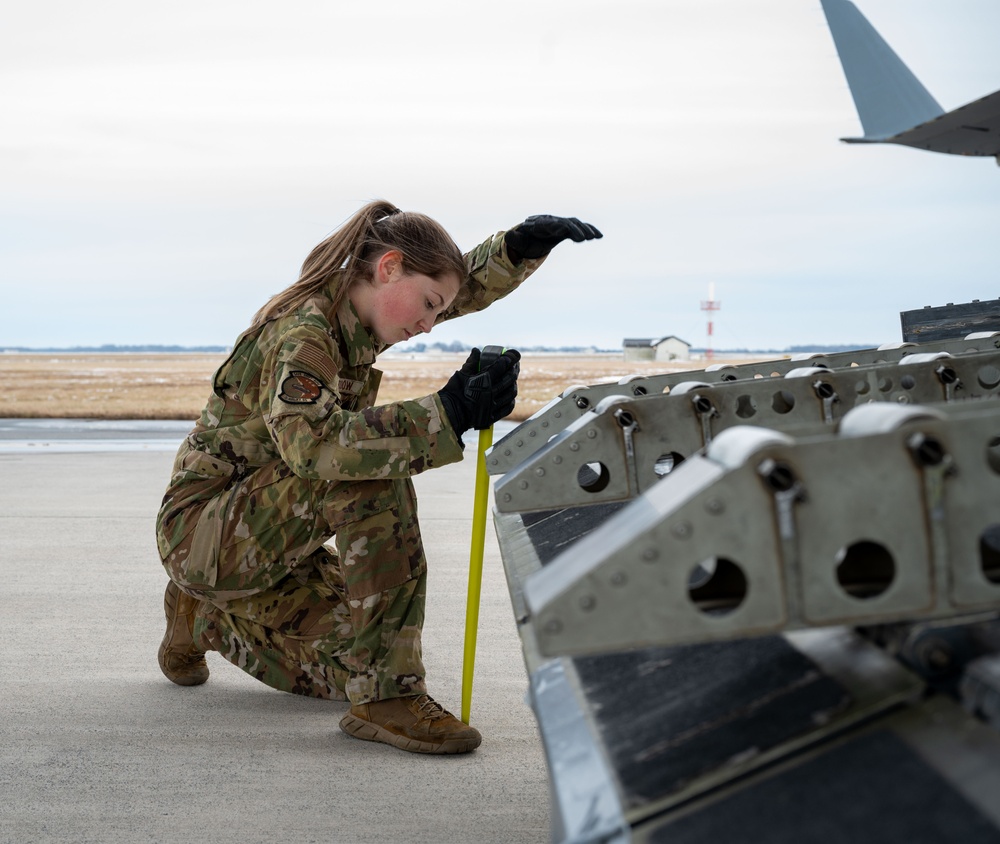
point(972, 129)
point(888, 97)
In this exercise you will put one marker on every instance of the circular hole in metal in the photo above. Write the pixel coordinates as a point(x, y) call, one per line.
point(639, 391)
point(865, 569)
point(593, 477)
point(885, 384)
point(989, 553)
point(666, 463)
point(702, 405)
point(745, 407)
point(782, 401)
point(824, 389)
point(861, 387)
point(989, 376)
point(907, 382)
point(717, 586)
point(729, 377)
point(666, 389)
point(993, 454)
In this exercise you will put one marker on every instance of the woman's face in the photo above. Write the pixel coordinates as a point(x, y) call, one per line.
point(397, 306)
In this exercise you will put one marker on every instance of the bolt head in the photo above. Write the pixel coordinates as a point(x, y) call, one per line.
point(682, 530)
point(715, 506)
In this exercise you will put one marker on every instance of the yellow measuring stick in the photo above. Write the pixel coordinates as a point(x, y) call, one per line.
point(486, 358)
point(475, 570)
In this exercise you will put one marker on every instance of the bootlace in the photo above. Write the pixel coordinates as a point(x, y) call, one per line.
point(430, 708)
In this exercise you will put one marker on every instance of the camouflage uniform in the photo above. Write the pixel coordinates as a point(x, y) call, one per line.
point(290, 452)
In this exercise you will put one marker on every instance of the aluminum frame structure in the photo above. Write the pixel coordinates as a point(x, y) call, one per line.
point(764, 533)
point(579, 400)
point(625, 446)
point(748, 582)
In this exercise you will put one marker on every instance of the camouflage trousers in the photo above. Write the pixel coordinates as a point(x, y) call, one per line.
point(298, 615)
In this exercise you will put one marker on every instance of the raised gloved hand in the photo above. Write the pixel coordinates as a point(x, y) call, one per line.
point(474, 399)
point(535, 237)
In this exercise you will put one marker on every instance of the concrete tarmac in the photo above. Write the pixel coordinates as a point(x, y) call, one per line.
point(96, 745)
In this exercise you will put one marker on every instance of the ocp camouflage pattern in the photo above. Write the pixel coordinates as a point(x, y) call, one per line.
point(290, 453)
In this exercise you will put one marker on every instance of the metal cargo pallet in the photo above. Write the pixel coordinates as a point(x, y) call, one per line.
point(780, 626)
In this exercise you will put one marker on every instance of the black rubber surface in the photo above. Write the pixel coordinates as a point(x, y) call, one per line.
point(873, 789)
point(669, 715)
point(552, 531)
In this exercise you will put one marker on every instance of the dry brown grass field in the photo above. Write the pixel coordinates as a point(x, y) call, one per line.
point(175, 386)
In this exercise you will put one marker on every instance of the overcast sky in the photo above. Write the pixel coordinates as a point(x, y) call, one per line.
point(166, 167)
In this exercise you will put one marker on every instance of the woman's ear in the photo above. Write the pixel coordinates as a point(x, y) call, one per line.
point(388, 266)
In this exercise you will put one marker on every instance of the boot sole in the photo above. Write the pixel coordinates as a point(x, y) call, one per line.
point(367, 731)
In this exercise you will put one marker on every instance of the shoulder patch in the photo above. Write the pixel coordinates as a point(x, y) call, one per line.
point(301, 388)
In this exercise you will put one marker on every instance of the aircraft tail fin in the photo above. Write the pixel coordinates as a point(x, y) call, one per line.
point(888, 97)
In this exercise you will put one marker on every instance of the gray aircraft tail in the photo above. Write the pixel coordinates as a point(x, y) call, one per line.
point(888, 97)
point(894, 107)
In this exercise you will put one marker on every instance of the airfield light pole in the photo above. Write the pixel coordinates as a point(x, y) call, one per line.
point(709, 306)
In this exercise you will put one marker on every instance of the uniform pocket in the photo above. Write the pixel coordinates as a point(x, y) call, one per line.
point(199, 479)
point(377, 537)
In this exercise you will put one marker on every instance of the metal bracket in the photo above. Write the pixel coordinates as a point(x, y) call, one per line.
point(580, 399)
point(589, 462)
point(845, 530)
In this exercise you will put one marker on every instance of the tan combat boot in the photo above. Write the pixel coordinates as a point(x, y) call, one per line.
point(181, 660)
point(417, 724)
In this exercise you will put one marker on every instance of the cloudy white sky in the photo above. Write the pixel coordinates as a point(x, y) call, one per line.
point(166, 167)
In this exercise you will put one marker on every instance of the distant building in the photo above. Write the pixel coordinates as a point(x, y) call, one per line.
point(647, 348)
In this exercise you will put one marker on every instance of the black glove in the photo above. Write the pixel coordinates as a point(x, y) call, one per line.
point(535, 237)
point(474, 399)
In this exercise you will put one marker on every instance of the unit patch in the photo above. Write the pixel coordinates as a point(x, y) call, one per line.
point(301, 388)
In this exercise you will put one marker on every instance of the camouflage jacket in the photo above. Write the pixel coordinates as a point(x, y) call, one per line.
point(301, 389)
